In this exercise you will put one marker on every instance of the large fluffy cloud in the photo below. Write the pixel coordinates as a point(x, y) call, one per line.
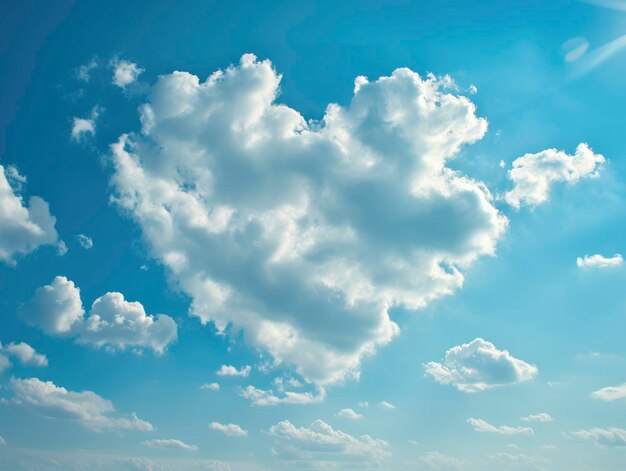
point(113, 322)
point(322, 446)
point(86, 407)
point(306, 234)
point(533, 174)
point(479, 365)
point(23, 228)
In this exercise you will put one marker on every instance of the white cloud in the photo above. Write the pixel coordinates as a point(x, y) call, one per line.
point(232, 430)
point(364, 404)
point(610, 393)
point(439, 461)
point(55, 308)
point(85, 242)
point(608, 437)
point(2, 441)
point(229, 370)
point(22, 228)
point(81, 127)
point(26, 354)
point(482, 426)
point(386, 405)
point(85, 407)
point(322, 446)
point(479, 365)
point(211, 386)
point(599, 261)
point(541, 417)
point(125, 72)
point(113, 322)
point(368, 217)
point(533, 174)
point(170, 443)
point(262, 397)
point(348, 414)
point(84, 71)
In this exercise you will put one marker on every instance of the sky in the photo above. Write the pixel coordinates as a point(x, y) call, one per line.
point(312, 235)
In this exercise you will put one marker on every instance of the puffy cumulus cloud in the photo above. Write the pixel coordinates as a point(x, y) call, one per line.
point(125, 72)
point(55, 308)
point(266, 397)
point(540, 417)
point(482, 426)
point(23, 228)
point(113, 322)
point(81, 127)
point(85, 242)
point(229, 370)
point(348, 414)
point(26, 354)
point(232, 430)
point(479, 365)
point(610, 393)
point(608, 437)
point(321, 446)
point(86, 407)
point(599, 261)
point(292, 230)
point(533, 174)
point(439, 461)
point(169, 443)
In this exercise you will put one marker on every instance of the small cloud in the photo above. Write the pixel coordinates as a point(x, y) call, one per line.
point(599, 261)
point(61, 248)
point(261, 397)
point(231, 430)
point(485, 427)
point(228, 370)
point(169, 443)
point(533, 175)
point(85, 242)
point(478, 366)
point(472, 90)
point(386, 405)
point(125, 72)
point(541, 417)
point(84, 71)
point(2, 441)
point(610, 393)
point(211, 386)
point(348, 414)
point(502, 164)
point(26, 354)
point(364, 404)
point(606, 437)
point(574, 48)
point(81, 127)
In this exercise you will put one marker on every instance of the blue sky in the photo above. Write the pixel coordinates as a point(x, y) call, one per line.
point(295, 235)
